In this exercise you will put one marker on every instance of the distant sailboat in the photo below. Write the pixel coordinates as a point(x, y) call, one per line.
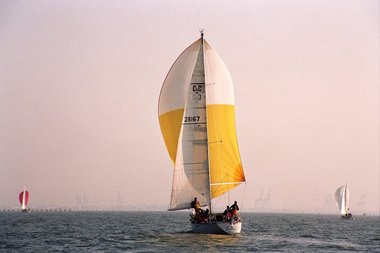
point(197, 118)
point(342, 199)
point(24, 199)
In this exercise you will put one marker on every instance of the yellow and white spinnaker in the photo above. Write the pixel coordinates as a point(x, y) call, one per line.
point(196, 111)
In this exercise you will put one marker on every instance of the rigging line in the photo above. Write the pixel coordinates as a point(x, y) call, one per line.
point(228, 195)
point(242, 204)
point(216, 201)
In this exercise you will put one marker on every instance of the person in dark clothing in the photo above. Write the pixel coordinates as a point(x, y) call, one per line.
point(227, 214)
point(226, 211)
point(195, 204)
point(234, 208)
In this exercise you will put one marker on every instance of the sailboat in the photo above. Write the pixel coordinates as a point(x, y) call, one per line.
point(342, 200)
point(196, 111)
point(24, 198)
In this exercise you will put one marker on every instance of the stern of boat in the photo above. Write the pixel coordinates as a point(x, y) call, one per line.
point(216, 225)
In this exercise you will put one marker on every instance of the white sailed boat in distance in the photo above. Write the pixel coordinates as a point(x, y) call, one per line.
point(197, 118)
point(342, 199)
point(24, 199)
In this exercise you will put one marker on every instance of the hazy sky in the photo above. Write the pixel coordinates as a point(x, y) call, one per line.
point(79, 85)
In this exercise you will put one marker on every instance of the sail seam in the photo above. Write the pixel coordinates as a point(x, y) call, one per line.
point(228, 183)
point(198, 107)
point(195, 123)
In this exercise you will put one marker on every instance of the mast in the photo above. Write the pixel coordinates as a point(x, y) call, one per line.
point(208, 154)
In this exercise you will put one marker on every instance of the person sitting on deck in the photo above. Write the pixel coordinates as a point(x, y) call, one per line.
point(234, 208)
point(195, 204)
point(204, 215)
point(227, 213)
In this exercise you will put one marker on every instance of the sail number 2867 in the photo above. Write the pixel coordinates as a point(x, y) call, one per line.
point(192, 119)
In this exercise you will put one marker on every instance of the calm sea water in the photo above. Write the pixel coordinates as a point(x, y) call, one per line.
point(170, 232)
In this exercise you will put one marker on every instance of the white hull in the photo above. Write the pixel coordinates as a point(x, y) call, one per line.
point(217, 228)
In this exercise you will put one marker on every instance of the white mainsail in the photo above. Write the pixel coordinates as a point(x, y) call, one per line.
point(342, 196)
point(23, 204)
point(197, 120)
point(191, 176)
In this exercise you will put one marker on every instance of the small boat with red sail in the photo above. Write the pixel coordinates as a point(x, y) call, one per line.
point(24, 199)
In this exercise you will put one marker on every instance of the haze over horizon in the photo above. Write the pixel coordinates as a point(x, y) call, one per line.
point(79, 85)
